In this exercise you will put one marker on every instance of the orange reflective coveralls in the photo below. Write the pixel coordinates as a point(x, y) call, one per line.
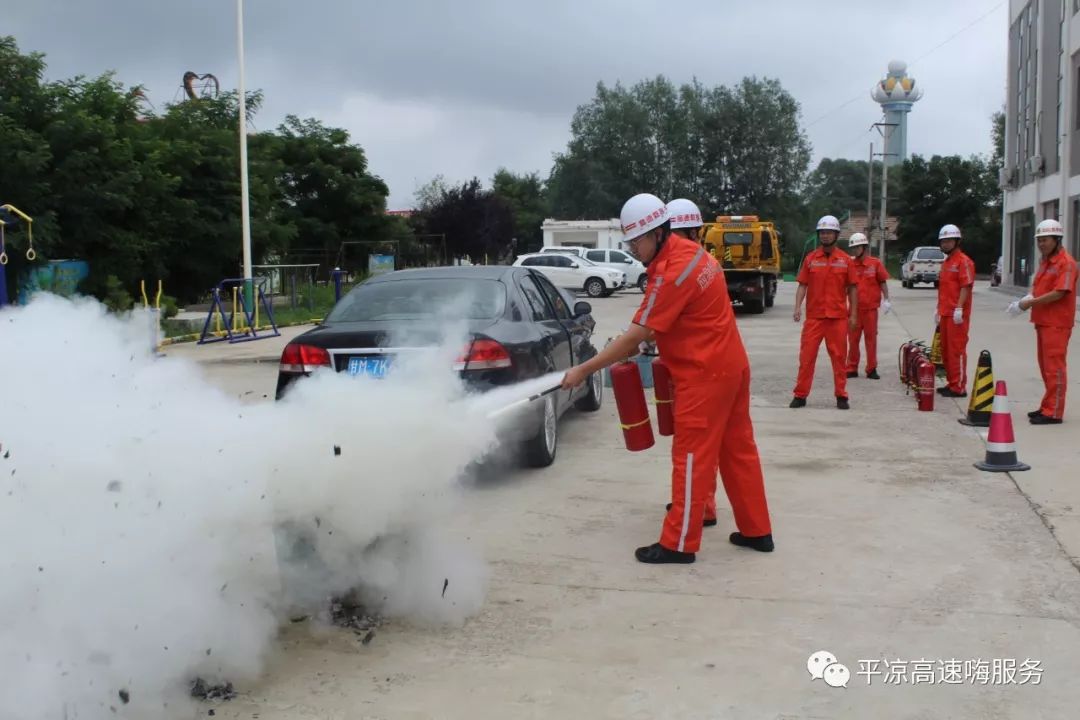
point(957, 272)
point(1053, 327)
point(871, 273)
point(687, 307)
point(827, 279)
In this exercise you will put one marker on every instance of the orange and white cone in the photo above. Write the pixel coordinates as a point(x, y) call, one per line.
point(1001, 444)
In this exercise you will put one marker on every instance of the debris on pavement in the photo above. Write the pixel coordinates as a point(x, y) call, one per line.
point(202, 690)
point(348, 612)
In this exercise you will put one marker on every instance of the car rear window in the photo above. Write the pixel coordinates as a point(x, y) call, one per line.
point(738, 238)
point(929, 253)
point(422, 299)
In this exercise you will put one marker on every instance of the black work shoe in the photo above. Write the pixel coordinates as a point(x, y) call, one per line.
point(1041, 419)
point(842, 403)
point(798, 402)
point(872, 375)
point(657, 554)
point(761, 544)
point(1035, 413)
point(706, 523)
point(950, 393)
point(853, 374)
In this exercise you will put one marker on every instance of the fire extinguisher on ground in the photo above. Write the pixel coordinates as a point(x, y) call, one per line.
point(665, 395)
point(926, 375)
point(633, 409)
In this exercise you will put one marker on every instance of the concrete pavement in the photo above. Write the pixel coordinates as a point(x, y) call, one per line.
point(890, 546)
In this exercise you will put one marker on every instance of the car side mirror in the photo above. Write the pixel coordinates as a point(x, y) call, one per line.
point(628, 261)
point(574, 265)
point(582, 308)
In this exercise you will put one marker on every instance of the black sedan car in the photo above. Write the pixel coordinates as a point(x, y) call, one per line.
point(521, 327)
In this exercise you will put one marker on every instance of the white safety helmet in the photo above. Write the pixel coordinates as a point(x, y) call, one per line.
point(1049, 228)
point(949, 232)
point(684, 214)
point(857, 239)
point(828, 222)
point(642, 213)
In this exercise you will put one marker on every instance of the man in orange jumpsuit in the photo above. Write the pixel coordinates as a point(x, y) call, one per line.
point(872, 278)
point(1053, 312)
point(828, 283)
point(688, 311)
point(956, 279)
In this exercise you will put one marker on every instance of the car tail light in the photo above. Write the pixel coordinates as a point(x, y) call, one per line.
point(298, 358)
point(483, 355)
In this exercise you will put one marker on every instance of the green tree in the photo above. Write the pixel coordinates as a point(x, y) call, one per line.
point(526, 196)
point(950, 190)
point(732, 150)
point(325, 190)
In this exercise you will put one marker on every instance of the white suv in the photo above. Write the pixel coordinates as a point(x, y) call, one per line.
point(575, 273)
point(619, 260)
point(612, 258)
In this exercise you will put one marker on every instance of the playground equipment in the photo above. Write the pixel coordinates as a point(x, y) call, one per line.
point(31, 255)
point(154, 313)
point(242, 324)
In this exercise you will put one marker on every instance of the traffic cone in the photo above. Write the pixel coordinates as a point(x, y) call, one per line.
point(935, 348)
point(1001, 444)
point(982, 394)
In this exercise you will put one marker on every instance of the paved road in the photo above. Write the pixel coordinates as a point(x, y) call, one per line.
point(890, 545)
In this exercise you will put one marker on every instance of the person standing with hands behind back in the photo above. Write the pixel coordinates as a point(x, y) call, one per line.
point(828, 283)
point(872, 277)
point(687, 309)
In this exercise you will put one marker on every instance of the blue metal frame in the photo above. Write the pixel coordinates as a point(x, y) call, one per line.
point(250, 332)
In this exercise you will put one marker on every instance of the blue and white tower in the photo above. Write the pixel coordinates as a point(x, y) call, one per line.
point(896, 94)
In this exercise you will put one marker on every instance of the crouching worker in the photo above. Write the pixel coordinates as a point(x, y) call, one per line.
point(687, 310)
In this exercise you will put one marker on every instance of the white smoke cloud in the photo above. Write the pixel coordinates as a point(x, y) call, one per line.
point(154, 529)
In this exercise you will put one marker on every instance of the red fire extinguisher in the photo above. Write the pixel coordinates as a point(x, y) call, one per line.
point(902, 361)
point(629, 394)
point(926, 384)
point(665, 395)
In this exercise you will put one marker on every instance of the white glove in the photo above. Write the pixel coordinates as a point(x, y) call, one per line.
point(958, 316)
point(886, 306)
point(1014, 308)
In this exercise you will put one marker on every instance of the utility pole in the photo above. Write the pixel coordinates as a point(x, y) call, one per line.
point(886, 134)
point(870, 195)
point(245, 212)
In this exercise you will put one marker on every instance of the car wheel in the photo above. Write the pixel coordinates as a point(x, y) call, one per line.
point(594, 287)
point(770, 295)
point(642, 282)
point(540, 448)
point(595, 396)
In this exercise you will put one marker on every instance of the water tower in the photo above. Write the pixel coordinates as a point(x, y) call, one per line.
point(896, 94)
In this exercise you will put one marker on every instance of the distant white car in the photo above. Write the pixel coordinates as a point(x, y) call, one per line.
point(922, 265)
point(619, 260)
point(608, 257)
point(575, 273)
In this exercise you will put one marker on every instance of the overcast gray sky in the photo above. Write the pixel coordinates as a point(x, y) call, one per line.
point(462, 88)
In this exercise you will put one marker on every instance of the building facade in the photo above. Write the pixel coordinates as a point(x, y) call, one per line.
point(1041, 173)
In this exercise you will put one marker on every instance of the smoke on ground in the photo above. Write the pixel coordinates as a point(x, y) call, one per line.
point(154, 529)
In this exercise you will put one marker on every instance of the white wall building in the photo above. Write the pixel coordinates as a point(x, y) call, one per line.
point(1041, 177)
point(588, 233)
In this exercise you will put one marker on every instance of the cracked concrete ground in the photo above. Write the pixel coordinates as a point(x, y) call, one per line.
point(890, 546)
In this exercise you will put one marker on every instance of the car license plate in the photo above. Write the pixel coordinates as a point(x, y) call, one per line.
point(375, 367)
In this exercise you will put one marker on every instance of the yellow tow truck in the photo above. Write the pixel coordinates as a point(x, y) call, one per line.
point(748, 250)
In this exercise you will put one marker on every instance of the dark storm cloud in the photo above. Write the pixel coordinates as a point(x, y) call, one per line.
point(460, 88)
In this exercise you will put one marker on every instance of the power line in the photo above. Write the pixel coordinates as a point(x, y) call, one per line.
point(929, 52)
